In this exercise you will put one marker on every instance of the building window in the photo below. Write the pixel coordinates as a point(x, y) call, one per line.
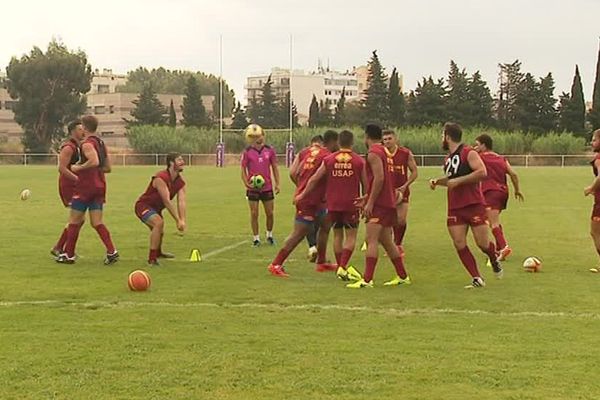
point(111, 109)
point(285, 81)
point(107, 133)
point(9, 105)
point(99, 110)
point(103, 89)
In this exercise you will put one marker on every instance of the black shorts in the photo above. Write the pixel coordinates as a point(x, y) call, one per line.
point(259, 196)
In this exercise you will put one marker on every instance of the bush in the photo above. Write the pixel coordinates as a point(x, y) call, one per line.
point(558, 143)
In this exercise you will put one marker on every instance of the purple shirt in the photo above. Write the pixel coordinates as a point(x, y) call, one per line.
point(259, 162)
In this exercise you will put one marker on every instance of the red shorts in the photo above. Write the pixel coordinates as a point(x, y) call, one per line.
point(66, 194)
point(308, 213)
point(344, 219)
point(473, 215)
point(596, 212)
point(83, 200)
point(144, 212)
point(495, 200)
point(385, 217)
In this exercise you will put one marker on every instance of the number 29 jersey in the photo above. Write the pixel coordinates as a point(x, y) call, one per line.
point(456, 165)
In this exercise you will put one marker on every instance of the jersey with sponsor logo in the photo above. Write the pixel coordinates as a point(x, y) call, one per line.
point(344, 169)
point(387, 196)
point(399, 166)
point(151, 197)
point(308, 167)
point(457, 165)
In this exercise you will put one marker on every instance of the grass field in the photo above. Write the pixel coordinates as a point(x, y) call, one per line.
point(225, 329)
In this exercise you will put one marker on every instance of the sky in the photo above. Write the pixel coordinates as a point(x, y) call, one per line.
point(417, 37)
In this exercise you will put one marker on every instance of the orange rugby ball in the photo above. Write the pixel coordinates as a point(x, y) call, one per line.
point(138, 281)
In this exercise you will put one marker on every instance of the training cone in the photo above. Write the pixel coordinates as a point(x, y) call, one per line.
point(363, 247)
point(195, 256)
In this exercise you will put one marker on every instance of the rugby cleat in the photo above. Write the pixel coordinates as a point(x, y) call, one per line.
point(256, 243)
point(277, 270)
point(271, 241)
point(397, 281)
point(342, 274)
point(476, 283)
point(326, 267)
point(312, 254)
point(595, 270)
point(363, 247)
point(55, 252)
point(111, 258)
point(65, 259)
point(353, 274)
point(504, 253)
point(153, 263)
point(497, 268)
point(360, 284)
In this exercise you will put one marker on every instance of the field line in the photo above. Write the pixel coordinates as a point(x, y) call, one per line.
point(301, 307)
point(224, 249)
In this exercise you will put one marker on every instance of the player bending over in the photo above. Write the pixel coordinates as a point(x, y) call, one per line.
point(594, 189)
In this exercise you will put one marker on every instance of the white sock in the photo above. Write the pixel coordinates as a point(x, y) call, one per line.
point(257, 237)
point(269, 234)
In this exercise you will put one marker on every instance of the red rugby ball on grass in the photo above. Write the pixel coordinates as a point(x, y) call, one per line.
point(138, 281)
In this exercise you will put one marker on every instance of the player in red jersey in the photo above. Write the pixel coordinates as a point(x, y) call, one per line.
point(309, 209)
point(464, 170)
point(311, 236)
point(403, 162)
point(495, 190)
point(379, 211)
point(163, 187)
point(68, 155)
point(89, 194)
point(594, 189)
point(343, 173)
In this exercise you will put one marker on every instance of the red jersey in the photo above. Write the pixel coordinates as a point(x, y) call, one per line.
point(344, 169)
point(387, 196)
point(597, 192)
point(93, 178)
point(497, 168)
point(152, 198)
point(456, 165)
point(309, 165)
point(63, 181)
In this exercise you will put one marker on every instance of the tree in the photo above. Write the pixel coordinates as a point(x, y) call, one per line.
point(193, 111)
point(268, 106)
point(572, 107)
point(412, 114)
point(313, 113)
point(510, 78)
point(375, 99)
point(325, 115)
point(546, 105)
point(284, 113)
point(239, 118)
point(525, 106)
point(396, 102)
point(427, 103)
point(339, 118)
point(480, 100)
point(594, 114)
point(458, 104)
point(253, 110)
point(172, 115)
point(148, 108)
point(50, 90)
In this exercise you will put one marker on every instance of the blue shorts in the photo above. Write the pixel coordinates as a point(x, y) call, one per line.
point(144, 212)
point(83, 206)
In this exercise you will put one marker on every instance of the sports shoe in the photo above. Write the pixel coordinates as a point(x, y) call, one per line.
point(353, 274)
point(256, 243)
point(312, 254)
point(504, 253)
point(271, 241)
point(65, 259)
point(153, 263)
point(111, 258)
point(55, 252)
point(397, 281)
point(363, 247)
point(326, 267)
point(277, 270)
point(360, 284)
point(497, 268)
point(166, 255)
point(342, 274)
point(595, 270)
point(477, 283)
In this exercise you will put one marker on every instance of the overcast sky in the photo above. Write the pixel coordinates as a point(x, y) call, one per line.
point(418, 37)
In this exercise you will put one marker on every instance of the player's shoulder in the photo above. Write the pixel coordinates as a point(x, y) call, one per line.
point(163, 174)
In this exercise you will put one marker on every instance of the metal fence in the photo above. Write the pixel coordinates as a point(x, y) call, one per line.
point(525, 160)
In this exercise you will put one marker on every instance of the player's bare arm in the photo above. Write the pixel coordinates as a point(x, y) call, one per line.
point(595, 184)
point(245, 178)
point(515, 182)
point(294, 170)
point(477, 175)
point(414, 171)
point(312, 182)
point(92, 158)
point(163, 190)
point(377, 169)
point(64, 158)
point(107, 167)
point(181, 208)
point(275, 170)
point(443, 181)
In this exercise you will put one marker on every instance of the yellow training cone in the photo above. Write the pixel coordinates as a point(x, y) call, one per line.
point(195, 256)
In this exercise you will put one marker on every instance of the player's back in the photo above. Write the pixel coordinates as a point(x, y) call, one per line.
point(344, 169)
point(455, 166)
point(75, 157)
point(497, 169)
point(93, 178)
point(596, 173)
point(387, 197)
point(308, 167)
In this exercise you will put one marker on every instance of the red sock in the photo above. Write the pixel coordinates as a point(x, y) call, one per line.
point(345, 258)
point(72, 235)
point(60, 245)
point(338, 258)
point(321, 254)
point(466, 257)
point(370, 268)
point(399, 231)
point(281, 256)
point(399, 265)
point(153, 255)
point(499, 236)
point(490, 251)
point(105, 237)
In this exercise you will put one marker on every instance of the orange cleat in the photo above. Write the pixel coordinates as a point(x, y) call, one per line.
point(326, 267)
point(504, 253)
point(277, 270)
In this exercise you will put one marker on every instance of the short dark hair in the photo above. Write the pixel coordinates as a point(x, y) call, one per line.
point(171, 157)
point(73, 125)
point(486, 140)
point(316, 139)
point(346, 139)
point(388, 132)
point(373, 131)
point(90, 123)
point(330, 136)
point(453, 130)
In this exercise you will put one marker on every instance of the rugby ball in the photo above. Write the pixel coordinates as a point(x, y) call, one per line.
point(25, 194)
point(532, 264)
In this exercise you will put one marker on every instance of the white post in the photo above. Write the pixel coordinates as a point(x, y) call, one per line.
point(291, 108)
point(220, 88)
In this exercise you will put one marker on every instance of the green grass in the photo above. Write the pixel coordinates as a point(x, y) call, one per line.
point(225, 329)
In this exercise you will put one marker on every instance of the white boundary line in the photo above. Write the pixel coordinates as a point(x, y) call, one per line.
point(302, 307)
point(223, 249)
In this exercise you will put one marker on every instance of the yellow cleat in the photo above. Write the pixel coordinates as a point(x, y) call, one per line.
point(397, 281)
point(360, 284)
point(342, 274)
point(353, 274)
